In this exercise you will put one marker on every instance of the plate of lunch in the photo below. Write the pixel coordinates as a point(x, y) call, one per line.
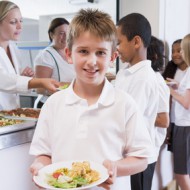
point(74, 175)
point(63, 86)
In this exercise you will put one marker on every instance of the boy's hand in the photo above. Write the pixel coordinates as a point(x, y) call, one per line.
point(39, 163)
point(112, 171)
point(35, 167)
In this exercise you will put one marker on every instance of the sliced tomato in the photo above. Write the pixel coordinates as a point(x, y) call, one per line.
point(56, 174)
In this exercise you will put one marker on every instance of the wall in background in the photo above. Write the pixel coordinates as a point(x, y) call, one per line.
point(35, 8)
point(170, 19)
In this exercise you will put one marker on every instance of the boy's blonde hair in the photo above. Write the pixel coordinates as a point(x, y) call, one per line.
point(5, 7)
point(185, 45)
point(96, 22)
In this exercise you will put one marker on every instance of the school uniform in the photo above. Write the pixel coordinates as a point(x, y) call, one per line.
point(10, 80)
point(178, 77)
point(181, 133)
point(69, 129)
point(141, 83)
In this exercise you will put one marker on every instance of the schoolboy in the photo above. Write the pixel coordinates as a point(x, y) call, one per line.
point(139, 80)
point(91, 120)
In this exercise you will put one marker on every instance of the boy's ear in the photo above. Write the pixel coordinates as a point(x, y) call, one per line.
point(137, 41)
point(114, 56)
point(68, 55)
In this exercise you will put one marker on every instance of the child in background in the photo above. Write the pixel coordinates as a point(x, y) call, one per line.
point(155, 54)
point(175, 69)
point(181, 131)
point(139, 80)
point(91, 120)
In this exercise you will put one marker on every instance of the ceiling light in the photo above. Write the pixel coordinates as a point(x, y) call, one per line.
point(77, 2)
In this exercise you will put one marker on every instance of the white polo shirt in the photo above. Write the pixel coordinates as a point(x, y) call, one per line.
point(178, 77)
point(182, 115)
point(140, 82)
point(113, 128)
point(163, 107)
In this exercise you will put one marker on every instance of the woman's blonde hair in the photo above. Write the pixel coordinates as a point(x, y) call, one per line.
point(185, 45)
point(94, 21)
point(5, 7)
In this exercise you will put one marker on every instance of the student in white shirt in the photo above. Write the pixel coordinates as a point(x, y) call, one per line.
point(91, 120)
point(11, 81)
point(181, 132)
point(155, 53)
point(139, 80)
point(175, 69)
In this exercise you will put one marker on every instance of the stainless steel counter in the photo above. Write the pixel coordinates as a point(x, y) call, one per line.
point(16, 134)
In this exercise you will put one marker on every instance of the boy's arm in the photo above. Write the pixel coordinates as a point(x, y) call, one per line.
point(131, 165)
point(39, 163)
point(162, 120)
point(125, 167)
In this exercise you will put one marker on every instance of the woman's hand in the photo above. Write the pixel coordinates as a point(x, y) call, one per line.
point(27, 72)
point(112, 171)
point(48, 84)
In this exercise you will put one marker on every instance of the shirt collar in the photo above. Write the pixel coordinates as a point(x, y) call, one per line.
point(140, 65)
point(106, 98)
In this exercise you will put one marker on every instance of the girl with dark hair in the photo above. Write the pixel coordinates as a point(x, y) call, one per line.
point(175, 69)
point(181, 131)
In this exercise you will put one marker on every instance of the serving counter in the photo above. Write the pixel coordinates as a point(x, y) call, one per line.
point(14, 135)
point(15, 160)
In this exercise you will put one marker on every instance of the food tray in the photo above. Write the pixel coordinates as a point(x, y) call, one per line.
point(17, 127)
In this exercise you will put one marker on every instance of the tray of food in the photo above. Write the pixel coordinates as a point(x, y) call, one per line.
point(21, 114)
point(12, 125)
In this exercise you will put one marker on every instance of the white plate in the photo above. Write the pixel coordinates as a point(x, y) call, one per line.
point(40, 179)
point(170, 83)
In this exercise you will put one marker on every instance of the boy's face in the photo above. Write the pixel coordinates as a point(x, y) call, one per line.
point(126, 48)
point(91, 57)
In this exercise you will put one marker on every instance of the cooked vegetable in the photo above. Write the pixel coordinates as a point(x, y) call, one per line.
point(79, 175)
point(6, 122)
point(64, 86)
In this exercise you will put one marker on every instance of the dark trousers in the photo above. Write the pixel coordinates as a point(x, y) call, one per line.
point(143, 180)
